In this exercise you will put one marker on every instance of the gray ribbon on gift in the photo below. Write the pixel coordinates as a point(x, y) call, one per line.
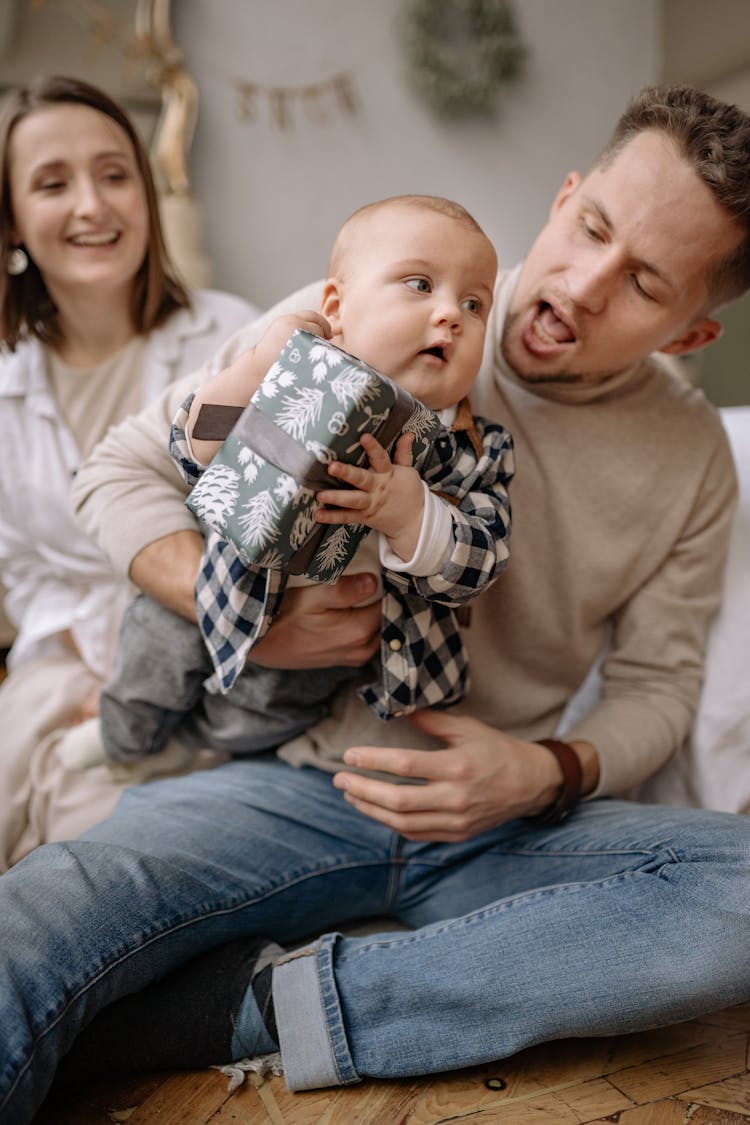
point(256, 430)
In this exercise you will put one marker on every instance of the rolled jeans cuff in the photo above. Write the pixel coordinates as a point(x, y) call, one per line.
point(314, 1047)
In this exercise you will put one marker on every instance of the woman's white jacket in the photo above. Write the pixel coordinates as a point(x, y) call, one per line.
point(55, 578)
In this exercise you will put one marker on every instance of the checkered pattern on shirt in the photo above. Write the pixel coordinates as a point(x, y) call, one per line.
point(423, 660)
point(427, 664)
point(236, 605)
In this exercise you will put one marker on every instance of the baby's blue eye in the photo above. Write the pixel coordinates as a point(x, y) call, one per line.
point(421, 284)
point(472, 305)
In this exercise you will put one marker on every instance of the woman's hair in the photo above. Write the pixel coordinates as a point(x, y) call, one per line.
point(25, 304)
point(714, 138)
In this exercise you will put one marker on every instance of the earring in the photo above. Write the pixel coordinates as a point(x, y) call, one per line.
point(18, 262)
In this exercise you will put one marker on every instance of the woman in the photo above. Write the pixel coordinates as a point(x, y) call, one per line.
point(94, 323)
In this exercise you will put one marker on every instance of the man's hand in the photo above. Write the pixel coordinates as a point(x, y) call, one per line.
point(387, 497)
point(322, 626)
point(482, 779)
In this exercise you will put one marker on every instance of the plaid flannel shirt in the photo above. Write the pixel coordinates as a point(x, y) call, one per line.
point(422, 656)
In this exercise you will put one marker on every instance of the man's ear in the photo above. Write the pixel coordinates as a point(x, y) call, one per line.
point(570, 183)
point(698, 335)
point(330, 304)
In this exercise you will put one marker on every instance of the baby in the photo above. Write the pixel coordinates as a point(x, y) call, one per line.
point(409, 289)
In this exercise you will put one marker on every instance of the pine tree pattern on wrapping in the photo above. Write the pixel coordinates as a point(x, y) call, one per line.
point(215, 496)
point(303, 526)
point(287, 491)
point(421, 423)
point(324, 399)
point(354, 388)
point(273, 559)
point(300, 413)
point(322, 360)
point(276, 378)
point(251, 463)
point(259, 521)
point(334, 548)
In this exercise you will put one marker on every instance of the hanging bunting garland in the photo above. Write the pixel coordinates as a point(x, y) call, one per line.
point(316, 100)
point(461, 52)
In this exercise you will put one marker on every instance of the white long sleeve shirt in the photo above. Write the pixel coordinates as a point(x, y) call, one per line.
point(56, 579)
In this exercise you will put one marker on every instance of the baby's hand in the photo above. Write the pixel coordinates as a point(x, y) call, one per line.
point(387, 496)
point(279, 331)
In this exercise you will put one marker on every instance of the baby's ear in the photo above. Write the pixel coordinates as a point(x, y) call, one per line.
point(330, 305)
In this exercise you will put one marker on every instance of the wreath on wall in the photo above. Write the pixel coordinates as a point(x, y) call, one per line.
point(461, 52)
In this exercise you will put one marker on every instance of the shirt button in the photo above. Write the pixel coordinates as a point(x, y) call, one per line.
point(395, 645)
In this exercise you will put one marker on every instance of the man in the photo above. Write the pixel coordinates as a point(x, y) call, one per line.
point(615, 918)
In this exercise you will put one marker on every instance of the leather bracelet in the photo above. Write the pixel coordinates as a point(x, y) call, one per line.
point(572, 783)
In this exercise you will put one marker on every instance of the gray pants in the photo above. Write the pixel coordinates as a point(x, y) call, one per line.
point(157, 691)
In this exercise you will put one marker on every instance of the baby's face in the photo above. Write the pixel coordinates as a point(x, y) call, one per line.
point(414, 299)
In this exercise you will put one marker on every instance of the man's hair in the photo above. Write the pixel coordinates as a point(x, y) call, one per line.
point(26, 307)
point(714, 138)
point(435, 203)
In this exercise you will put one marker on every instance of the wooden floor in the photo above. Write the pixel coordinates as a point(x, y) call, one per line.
point(694, 1073)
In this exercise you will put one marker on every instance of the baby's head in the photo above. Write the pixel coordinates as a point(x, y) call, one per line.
point(409, 291)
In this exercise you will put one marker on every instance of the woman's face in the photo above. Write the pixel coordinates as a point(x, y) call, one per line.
point(79, 203)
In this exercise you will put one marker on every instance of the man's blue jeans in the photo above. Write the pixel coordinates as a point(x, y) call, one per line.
point(624, 917)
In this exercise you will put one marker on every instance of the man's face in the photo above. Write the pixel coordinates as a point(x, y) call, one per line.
point(413, 300)
point(620, 268)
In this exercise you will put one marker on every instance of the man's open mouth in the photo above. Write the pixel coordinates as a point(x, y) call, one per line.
point(550, 328)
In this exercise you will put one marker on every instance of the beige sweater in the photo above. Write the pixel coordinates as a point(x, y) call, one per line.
point(622, 504)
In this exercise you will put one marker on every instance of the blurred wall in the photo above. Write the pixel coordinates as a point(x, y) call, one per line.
point(272, 199)
point(707, 43)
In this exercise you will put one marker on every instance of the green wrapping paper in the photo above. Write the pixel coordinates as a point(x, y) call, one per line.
point(312, 407)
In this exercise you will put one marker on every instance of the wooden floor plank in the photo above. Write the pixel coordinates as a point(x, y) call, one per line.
point(304, 1109)
point(695, 1073)
point(672, 1112)
point(731, 1093)
point(569, 1105)
point(696, 1066)
point(737, 1018)
point(376, 1103)
point(561, 1063)
point(379, 1103)
point(705, 1115)
point(188, 1096)
point(243, 1107)
point(631, 1050)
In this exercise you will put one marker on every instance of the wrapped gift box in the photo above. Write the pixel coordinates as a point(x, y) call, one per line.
point(312, 407)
